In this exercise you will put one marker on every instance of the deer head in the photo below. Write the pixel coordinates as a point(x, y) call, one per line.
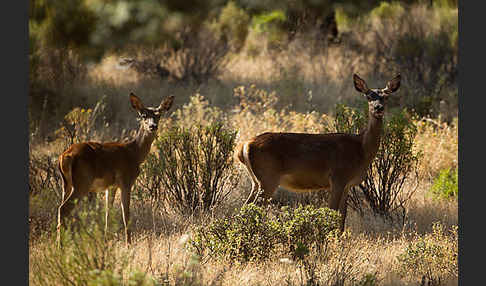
point(149, 116)
point(376, 97)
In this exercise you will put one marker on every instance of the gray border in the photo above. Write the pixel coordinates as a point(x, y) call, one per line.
point(14, 126)
point(471, 195)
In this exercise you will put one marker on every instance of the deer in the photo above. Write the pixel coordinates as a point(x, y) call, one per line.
point(92, 167)
point(303, 162)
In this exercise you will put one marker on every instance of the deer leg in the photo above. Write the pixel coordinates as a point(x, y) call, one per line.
point(65, 209)
point(337, 192)
point(106, 211)
point(255, 191)
point(109, 200)
point(269, 187)
point(91, 197)
point(343, 207)
point(125, 205)
point(112, 197)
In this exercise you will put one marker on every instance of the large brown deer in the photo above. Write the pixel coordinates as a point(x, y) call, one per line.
point(303, 162)
point(91, 167)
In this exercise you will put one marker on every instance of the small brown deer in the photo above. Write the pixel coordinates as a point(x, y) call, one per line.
point(91, 167)
point(303, 162)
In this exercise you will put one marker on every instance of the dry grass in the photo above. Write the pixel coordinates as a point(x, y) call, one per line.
point(348, 260)
point(439, 144)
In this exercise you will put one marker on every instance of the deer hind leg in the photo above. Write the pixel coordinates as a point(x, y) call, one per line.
point(67, 206)
point(269, 186)
point(92, 197)
point(255, 191)
point(66, 192)
point(264, 191)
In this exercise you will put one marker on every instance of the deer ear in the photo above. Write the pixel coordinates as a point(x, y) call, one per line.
point(136, 102)
point(392, 85)
point(166, 103)
point(360, 84)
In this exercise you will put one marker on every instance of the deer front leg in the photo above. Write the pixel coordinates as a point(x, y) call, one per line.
point(343, 206)
point(109, 199)
point(125, 205)
point(337, 194)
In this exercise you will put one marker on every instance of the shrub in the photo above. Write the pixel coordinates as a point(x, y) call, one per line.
point(388, 10)
point(349, 120)
point(306, 225)
point(77, 125)
point(253, 235)
point(193, 166)
point(254, 100)
point(197, 57)
point(271, 25)
point(248, 235)
point(394, 164)
point(446, 185)
point(233, 24)
point(197, 111)
point(81, 124)
point(43, 174)
point(431, 257)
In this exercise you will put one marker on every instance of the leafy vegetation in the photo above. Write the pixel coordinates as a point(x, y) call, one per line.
point(446, 184)
point(253, 235)
point(192, 168)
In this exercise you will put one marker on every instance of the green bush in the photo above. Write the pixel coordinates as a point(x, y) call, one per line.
point(271, 25)
point(306, 225)
point(254, 235)
point(388, 10)
point(192, 168)
point(233, 24)
point(248, 235)
point(198, 55)
point(446, 185)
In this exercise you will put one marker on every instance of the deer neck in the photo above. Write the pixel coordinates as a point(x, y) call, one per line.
point(371, 136)
point(142, 143)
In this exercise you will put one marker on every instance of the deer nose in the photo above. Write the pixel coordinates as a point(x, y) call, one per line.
point(153, 127)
